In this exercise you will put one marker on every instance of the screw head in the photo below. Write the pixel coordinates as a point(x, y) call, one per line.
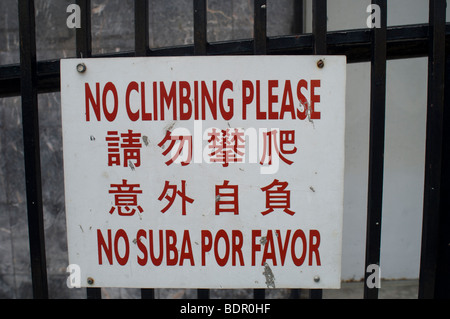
point(316, 278)
point(81, 67)
point(320, 64)
point(90, 281)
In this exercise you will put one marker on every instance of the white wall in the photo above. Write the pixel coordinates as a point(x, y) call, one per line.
point(406, 96)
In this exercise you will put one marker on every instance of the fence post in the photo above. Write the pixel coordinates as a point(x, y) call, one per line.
point(319, 30)
point(376, 146)
point(200, 44)
point(433, 154)
point(30, 124)
point(259, 47)
point(141, 34)
point(83, 39)
point(442, 289)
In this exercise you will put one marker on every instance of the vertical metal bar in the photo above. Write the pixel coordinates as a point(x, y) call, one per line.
point(141, 34)
point(315, 294)
point(297, 25)
point(376, 146)
point(30, 124)
point(200, 41)
point(433, 153)
point(259, 293)
point(260, 27)
point(442, 290)
point(147, 293)
point(83, 45)
point(141, 48)
point(83, 35)
point(94, 293)
point(319, 26)
point(203, 293)
point(260, 47)
point(295, 294)
point(297, 28)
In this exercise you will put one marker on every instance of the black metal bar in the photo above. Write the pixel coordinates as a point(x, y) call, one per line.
point(433, 153)
point(259, 48)
point(200, 44)
point(203, 293)
point(83, 43)
point(260, 27)
point(259, 293)
point(319, 26)
point(141, 48)
point(141, 33)
point(147, 293)
point(295, 294)
point(200, 40)
point(83, 35)
point(315, 294)
point(442, 290)
point(93, 293)
point(376, 147)
point(297, 25)
point(31, 148)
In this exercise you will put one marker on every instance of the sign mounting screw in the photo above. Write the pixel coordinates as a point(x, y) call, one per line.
point(81, 67)
point(90, 281)
point(320, 64)
point(316, 278)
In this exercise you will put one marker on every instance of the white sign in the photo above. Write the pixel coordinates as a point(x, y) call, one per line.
point(205, 172)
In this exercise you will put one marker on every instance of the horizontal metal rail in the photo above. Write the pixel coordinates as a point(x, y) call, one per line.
point(401, 42)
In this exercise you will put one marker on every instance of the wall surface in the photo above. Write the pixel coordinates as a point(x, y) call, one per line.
point(406, 97)
point(406, 85)
point(171, 24)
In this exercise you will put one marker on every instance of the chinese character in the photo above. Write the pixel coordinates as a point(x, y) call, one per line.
point(130, 146)
point(171, 198)
point(226, 145)
point(270, 141)
point(277, 197)
point(182, 140)
point(124, 198)
point(227, 199)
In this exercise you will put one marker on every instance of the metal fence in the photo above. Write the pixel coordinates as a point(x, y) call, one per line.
point(31, 77)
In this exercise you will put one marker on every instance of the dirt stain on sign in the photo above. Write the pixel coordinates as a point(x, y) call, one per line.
point(145, 140)
point(270, 278)
point(169, 127)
